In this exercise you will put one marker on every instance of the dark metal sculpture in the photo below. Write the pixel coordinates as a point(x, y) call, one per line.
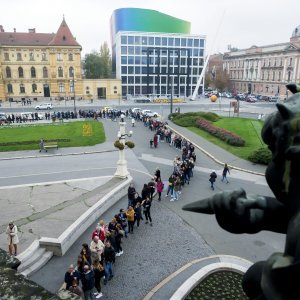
point(279, 276)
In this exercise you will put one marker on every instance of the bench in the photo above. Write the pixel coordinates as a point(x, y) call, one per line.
point(50, 145)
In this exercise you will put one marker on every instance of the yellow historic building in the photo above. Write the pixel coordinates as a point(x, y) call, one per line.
point(47, 66)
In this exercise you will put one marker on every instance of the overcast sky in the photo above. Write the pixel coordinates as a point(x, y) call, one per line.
point(239, 23)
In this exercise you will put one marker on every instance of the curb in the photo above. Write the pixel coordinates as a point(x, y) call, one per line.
point(57, 154)
point(226, 262)
point(212, 157)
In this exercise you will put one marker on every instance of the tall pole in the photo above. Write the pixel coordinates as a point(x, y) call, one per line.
point(75, 113)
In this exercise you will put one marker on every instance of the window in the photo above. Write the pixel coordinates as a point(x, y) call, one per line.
point(22, 88)
point(151, 41)
point(70, 57)
point(183, 42)
point(45, 72)
point(201, 43)
point(273, 76)
point(61, 87)
point(124, 79)
point(10, 88)
point(32, 72)
point(130, 70)
point(190, 42)
point(137, 80)
point(21, 73)
point(130, 40)
point(34, 88)
point(123, 49)
point(44, 57)
point(59, 57)
point(123, 40)
point(137, 50)
point(137, 40)
point(131, 79)
point(130, 50)
point(164, 41)
point(31, 56)
point(171, 41)
point(157, 41)
point(71, 86)
point(144, 40)
point(137, 70)
point(196, 43)
point(123, 60)
point(177, 42)
point(124, 70)
point(19, 56)
point(6, 56)
point(130, 60)
point(137, 60)
point(290, 61)
point(71, 72)
point(60, 72)
point(8, 72)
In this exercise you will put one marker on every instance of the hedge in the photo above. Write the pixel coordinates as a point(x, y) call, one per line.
point(261, 156)
point(32, 142)
point(223, 134)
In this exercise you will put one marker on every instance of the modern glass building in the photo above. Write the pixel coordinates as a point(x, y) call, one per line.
point(154, 53)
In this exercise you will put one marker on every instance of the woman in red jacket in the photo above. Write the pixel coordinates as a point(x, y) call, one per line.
point(159, 188)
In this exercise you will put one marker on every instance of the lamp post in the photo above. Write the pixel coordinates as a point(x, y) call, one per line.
point(73, 83)
point(171, 102)
point(122, 171)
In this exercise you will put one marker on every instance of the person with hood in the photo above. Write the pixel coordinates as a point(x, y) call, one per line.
point(88, 283)
point(130, 194)
point(212, 179)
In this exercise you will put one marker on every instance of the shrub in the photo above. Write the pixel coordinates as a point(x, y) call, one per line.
point(223, 134)
point(261, 156)
point(189, 119)
point(119, 145)
point(130, 144)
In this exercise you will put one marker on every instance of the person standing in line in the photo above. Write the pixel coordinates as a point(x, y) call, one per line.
point(99, 273)
point(170, 185)
point(76, 289)
point(130, 218)
point(71, 275)
point(212, 179)
point(138, 214)
point(131, 193)
point(13, 239)
point(159, 188)
point(88, 283)
point(147, 205)
point(109, 259)
point(224, 173)
point(176, 189)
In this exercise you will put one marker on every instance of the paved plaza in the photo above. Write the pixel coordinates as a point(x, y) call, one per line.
point(151, 253)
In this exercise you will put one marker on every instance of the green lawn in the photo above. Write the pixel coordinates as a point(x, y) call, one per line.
point(247, 129)
point(27, 137)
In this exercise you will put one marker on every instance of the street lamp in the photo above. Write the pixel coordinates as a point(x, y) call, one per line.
point(73, 85)
point(122, 171)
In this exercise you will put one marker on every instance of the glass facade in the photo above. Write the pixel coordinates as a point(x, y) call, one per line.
point(153, 64)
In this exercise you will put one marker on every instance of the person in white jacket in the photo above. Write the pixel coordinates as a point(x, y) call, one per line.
point(12, 237)
point(96, 247)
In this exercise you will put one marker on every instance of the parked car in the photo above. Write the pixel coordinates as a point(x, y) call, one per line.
point(3, 118)
point(150, 113)
point(274, 99)
point(251, 99)
point(44, 106)
point(136, 109)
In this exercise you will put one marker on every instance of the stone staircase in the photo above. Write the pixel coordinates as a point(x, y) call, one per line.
point(34, 258)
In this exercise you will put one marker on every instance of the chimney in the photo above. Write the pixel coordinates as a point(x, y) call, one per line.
point(31, 30)
point(15, 30)
point(1, 28)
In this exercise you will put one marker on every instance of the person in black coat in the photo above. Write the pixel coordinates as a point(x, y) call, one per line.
point(88, 282)
point(130, 194)
point(212, 179)
point(157, 174)
point(109, 259)
point(145, 192)
point(70, 275)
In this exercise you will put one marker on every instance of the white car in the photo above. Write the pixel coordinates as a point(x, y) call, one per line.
point(136, 110)
point(150, 113)
point(44, 106)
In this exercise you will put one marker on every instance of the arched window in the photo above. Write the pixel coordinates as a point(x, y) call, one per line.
point(71, 86)
point(21, 73)
point(61, 87)
point(32, 72)
point(10, 88)
point(8, 72)
point(45, 72)
point(22, 88)
point(34, 88)
point(71, 72)
point(60, 72)
point(19, 56)
point(70, 57)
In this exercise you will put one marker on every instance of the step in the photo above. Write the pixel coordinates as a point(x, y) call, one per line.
point(38, 264)
point(32, 259)
point(29, 251)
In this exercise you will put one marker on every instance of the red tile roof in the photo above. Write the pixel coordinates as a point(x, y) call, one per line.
point(63, 37)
